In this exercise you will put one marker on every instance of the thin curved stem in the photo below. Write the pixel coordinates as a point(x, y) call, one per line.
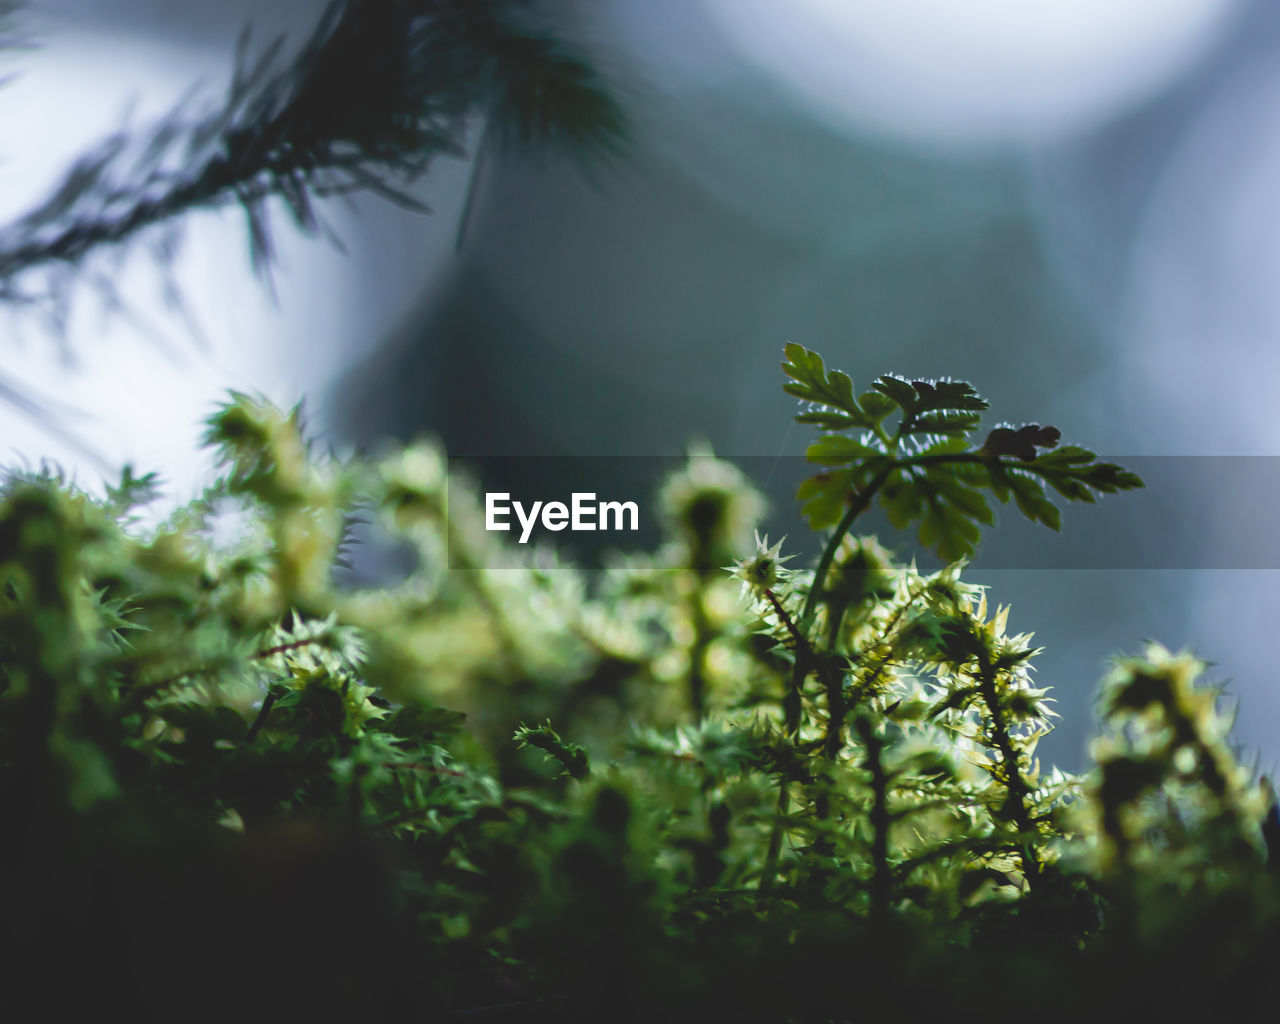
point(859, 505)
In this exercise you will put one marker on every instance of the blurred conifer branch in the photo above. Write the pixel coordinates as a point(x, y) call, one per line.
point(381, 89)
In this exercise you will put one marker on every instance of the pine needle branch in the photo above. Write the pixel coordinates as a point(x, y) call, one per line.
point(381, 89)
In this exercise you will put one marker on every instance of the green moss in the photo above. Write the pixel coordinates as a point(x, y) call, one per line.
point(771, 793)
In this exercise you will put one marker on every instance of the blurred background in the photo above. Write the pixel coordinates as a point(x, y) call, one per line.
point(1074, 204)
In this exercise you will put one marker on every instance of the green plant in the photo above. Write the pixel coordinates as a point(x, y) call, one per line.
point(767, 793)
